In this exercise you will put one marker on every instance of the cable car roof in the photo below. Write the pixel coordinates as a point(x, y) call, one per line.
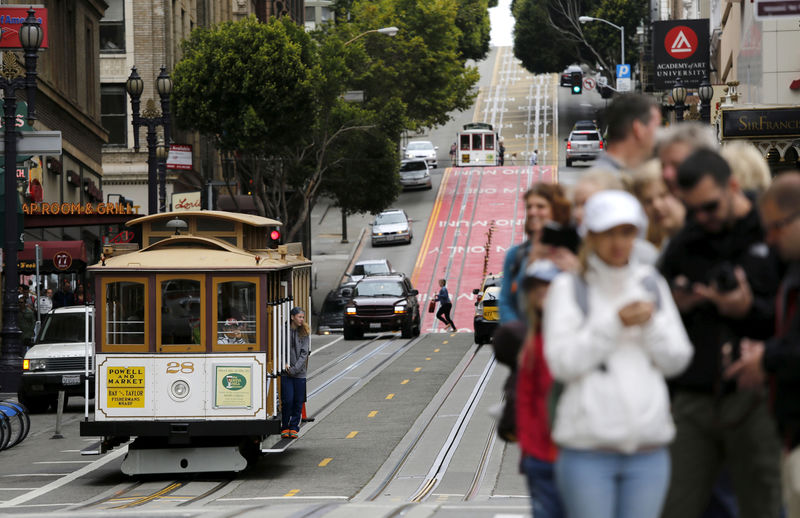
point(247, 219)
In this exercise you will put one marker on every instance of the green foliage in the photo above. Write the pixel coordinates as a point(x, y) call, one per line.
point(472, 19)
point(547, 40)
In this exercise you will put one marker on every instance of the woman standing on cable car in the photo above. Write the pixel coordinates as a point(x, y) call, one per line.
point(293, 380)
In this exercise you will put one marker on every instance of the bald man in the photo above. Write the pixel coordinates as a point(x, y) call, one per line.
point(779, 357)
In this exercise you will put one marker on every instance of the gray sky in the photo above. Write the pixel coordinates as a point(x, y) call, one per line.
point(502, 24)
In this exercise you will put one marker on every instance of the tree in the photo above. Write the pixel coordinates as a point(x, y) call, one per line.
point(556, 21)
point(472, 19)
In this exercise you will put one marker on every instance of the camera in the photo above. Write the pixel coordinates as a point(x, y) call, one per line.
point(560, 235)
point(723, 277)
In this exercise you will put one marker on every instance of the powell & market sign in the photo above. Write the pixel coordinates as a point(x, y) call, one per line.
point(761, 123)
point(74, 209)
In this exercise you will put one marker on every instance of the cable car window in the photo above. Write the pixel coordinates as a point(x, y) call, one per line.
point(215, 225)
point(488, 141)
point(465, 142)
point(236, 313)
point(180, 312)
point(124, 313)
point(476, 142)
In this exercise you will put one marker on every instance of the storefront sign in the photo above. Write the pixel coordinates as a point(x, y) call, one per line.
point(180, 157)
point(761, 123)
point(62, 260)
point(680, 49)
point(74, 209)
point(186, 201)
point(770, 9)
point(233, 386)
point(11, 18)
point(125, 387)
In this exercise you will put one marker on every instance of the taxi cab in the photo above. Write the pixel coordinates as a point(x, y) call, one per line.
point(487, 310)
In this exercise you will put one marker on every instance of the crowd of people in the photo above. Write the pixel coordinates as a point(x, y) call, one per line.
point(653, 309)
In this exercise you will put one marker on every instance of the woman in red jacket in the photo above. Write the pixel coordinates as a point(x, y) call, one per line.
point(533, 386)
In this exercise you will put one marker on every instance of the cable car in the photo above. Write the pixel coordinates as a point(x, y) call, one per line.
point(191, 333)
point(477, 145)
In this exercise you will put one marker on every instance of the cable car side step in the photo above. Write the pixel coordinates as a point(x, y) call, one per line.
point(269, 446)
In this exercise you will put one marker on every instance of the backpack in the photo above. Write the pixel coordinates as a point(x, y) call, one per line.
point(581, 293)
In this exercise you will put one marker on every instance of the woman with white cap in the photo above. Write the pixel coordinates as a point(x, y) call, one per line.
point(293, 379)
point(611, 335)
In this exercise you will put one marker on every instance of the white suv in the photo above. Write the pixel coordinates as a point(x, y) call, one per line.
point(57, 361)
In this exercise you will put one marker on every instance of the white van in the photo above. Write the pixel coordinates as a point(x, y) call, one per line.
point(57, 361)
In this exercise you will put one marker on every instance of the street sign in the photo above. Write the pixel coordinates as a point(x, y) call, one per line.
point(589, 83)
point(35, 143)
point(602, 80)
point(180, 157)
point(623, 71)
point(680, 49)
point(623, 84)
point(771, 9)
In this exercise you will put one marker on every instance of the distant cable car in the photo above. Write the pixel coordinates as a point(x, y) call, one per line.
point(477, 145)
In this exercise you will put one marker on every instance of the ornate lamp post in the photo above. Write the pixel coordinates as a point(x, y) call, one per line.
point(706, 93)
point(12, 79)
point(162, 152)
point(151, 118)
point(679, 96)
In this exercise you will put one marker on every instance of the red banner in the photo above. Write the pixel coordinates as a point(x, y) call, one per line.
point(11, 18)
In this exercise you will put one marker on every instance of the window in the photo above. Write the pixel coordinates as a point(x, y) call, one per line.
point(180, 303)
point(125, 315)
point(476, 142)
point(310, 14)
point(465, 142)
point(237, 315)
point(112, 27)
point(113, 113)
point(327, 14)
point(488, 141)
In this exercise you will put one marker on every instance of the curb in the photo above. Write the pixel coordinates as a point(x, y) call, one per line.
point(356, 247)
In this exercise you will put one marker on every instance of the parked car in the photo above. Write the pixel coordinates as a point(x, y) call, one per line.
point(566, 75)
point(415, 172)
point(331, 316)
point(584, 125)
point(487, 312)
point(57, 361)
point(422, 149)
point(382, 303)
point(583, 145)
point(370, 267)
point(392, 226)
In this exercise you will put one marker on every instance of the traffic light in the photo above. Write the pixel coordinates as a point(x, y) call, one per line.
point(275, 238)
point(577, 83)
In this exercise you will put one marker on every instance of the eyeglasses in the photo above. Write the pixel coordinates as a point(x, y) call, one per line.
point(779, 224)
point(709, 207)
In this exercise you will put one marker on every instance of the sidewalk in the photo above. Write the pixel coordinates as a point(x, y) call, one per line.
point(331, 257)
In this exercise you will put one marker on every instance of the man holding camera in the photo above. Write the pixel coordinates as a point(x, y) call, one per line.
point(724, 279)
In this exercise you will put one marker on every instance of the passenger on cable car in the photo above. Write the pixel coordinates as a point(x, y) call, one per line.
point(232, 333)
point(293, 377)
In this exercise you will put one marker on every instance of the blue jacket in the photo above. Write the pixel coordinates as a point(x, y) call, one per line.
point(510, 308)
point(443, 297)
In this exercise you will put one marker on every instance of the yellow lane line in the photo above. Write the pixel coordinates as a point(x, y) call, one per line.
point(390, 396)
point(429, 230)
point(444, 342)
point(418, 369)
point(352, 434)
point(325, 462)
point(404, 382)
point(437, 350)
point(428, 359)
point(292, 492)
point(373, 413)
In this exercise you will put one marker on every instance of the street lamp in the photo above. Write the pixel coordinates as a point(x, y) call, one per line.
point(162, 152)
point(706, 93)
point(12, 78)
point(584, 19)
point(151, 118)
point(678, 96)
point(388, 31)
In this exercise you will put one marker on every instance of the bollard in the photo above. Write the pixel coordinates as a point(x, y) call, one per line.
point(59, 411)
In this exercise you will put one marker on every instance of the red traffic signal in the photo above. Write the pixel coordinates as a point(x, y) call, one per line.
point(275, 235)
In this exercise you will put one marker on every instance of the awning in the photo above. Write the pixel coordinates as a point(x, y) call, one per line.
point(57, 257)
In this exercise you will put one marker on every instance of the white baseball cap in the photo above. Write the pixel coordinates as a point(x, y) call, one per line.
point(608, 209)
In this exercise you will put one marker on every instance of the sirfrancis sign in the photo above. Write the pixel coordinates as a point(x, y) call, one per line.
point(761, 123)
point(680, 49)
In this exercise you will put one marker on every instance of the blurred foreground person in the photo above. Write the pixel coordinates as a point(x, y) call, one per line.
point(747, 166)
point(533, 386)
point(631, 121)
point(665, 213)
point(724, 280)
point(611, 334)
point(779, 357)
point(678, 141)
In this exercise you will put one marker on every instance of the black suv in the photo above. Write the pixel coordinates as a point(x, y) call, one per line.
point(382, 303)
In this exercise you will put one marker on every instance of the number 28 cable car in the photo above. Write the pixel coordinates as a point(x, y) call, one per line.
point(192, 331)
